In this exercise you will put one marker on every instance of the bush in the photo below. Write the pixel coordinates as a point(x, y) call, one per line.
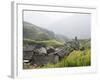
point(75, 59)
point(79, 58)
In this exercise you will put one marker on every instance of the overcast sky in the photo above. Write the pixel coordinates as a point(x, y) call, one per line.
point(68, 24)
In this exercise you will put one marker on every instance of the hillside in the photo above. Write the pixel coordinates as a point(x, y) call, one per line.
point(53, 43)
point(33, 32)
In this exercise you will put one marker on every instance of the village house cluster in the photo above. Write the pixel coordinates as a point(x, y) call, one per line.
point(39, 54)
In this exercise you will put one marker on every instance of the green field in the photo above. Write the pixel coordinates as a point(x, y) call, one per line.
point(53, 43)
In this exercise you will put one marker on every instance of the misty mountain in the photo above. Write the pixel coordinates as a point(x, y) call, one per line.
point(31, 31)
point(62, 38)
point(78, 25)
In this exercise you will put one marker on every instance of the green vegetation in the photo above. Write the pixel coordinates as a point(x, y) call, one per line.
point(86, 43)
point(45, 42)
point(34, 32)
point(78, 50)
point(75, 59)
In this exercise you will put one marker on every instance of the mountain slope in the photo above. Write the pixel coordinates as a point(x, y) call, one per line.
point(31, 31)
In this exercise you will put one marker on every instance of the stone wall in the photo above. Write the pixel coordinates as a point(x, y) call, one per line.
point(44, 59)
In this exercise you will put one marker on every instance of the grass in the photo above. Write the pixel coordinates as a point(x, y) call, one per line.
point(75, 59)
point(45, 42)
point(78, 58)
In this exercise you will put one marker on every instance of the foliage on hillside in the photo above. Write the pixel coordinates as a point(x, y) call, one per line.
point(86, 43)
point(45, 42)
point(34, 32)
point(76, 58)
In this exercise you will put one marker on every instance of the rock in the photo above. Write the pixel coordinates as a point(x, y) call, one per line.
point(40, 50)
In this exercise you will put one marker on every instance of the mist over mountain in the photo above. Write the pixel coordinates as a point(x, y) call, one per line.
point(66, 24)
point(31, 31)
point(76, 25)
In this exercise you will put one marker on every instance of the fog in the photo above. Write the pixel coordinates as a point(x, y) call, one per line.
point(67, 24)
